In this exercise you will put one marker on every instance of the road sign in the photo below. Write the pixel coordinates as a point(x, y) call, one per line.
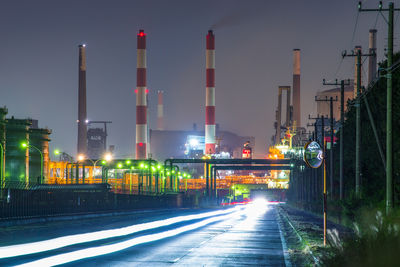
point(313, 154)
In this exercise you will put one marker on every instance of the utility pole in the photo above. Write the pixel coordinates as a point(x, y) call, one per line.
point(342, 84)
point(330, 100)
point(358, 54)
point(389, 94)
point(315, 126)
point(317, 184)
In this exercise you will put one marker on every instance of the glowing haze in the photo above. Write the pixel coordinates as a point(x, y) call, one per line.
point(254, 42)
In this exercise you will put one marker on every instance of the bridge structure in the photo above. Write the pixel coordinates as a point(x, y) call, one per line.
point(212, 165)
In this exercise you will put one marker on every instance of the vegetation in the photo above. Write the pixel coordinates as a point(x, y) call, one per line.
point(373, 180)
point(376, 243)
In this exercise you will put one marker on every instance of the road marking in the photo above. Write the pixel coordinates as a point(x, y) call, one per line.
point(284, 247)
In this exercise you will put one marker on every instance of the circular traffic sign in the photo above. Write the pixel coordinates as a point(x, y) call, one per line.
point(313, 154)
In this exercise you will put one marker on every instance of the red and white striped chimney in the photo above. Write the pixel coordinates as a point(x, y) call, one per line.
point(160, 111)
point(141, 101)
point(210, 94)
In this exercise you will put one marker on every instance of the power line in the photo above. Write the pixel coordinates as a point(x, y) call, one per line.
point(351, 44)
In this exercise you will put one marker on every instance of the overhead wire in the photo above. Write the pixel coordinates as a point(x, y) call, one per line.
point(351, 44)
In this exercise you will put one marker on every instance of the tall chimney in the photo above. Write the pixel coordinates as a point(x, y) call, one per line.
point(355, 72)
point(372, 59)
point(278, 118)
point(279, 112)
point(210, 94)
point(141, 100)
point(296, 88)
point(82, 116)
point(160, 111)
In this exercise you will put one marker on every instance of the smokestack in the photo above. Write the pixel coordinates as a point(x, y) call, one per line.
point(82, 116)
point(279, 112)
point(296, 88)
point(355, 72)
point(288, 106)
point(372, 59)
point(141, 100)
point(210, 94)
point(278, 118)
point(160, 111)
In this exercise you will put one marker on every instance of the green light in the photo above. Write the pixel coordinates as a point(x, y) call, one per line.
point(103, 161)
point(146, 166)
point(141, 165)
point(184, 174)
point(57, 152)
point(179, 173)
point(119, 165)
point(158, 166)
point(132, 167)
point(152, 168)
point(189, 176)
point(24, 145)
point(128, 162)
point(168, 173)
point(173, 171)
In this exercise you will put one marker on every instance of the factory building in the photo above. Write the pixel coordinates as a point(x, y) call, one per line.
point(191, 144)
point(97, 139)
point(323, 107)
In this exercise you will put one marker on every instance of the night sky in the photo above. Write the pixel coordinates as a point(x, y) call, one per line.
point(254, 42)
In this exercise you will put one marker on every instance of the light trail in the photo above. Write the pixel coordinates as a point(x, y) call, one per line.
point(59, 242)
point(108, 249)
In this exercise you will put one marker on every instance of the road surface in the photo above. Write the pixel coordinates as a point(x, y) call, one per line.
point(235, 236)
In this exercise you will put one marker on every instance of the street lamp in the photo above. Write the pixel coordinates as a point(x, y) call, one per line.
point(27, 145)
point(107, 157)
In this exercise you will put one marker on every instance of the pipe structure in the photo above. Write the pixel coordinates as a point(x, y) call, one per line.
point(296, 88)
point(160, 111)
point(141, 100)
point(82, 116)
point(372, 58)
point(210, 94)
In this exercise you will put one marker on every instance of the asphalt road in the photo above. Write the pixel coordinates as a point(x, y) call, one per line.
point(246, 235)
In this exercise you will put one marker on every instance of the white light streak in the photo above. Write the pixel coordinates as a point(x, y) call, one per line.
point(59, 242)
point(107, 249)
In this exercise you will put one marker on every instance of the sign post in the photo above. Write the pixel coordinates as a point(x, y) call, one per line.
point(314, 157)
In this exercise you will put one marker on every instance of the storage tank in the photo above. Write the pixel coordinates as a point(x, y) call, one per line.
point(38, 138)
point(17, 158)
